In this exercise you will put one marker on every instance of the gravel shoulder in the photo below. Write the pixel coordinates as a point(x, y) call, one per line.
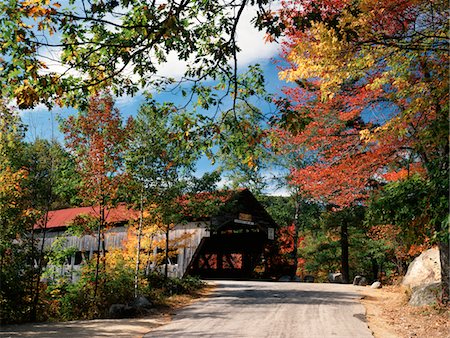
point(389, 315)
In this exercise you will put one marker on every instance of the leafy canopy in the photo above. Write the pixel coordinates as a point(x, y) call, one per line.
point(371, 95)
point(119, 44)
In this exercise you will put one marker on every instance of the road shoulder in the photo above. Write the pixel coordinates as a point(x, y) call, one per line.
point(389, 315)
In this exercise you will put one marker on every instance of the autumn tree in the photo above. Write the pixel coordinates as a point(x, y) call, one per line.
point(51, 184)
point(16, 219)
point(242, 152)
point(161, 156)
point(372, 97)
point(98, 139)
point(53, 179)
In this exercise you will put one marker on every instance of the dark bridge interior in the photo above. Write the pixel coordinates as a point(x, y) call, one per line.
point(241, 235)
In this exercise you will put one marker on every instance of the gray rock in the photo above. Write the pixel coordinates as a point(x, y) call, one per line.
point(425, 294)
point(424, 269)
point(141, 302)
point(118, 311)
point(376, 285)
point(284, 279)
point(308, 279)
point(296, 279)
point(363, 281)
point(356, 280)
point(335, 277)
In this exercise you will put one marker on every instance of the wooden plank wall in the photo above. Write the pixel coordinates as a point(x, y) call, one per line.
point(115, 237)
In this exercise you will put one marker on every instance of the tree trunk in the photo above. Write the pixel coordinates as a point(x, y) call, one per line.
point(97, 264)
point(375, 269)
point(33, 316)
point(444, 249)
point(166, 266)
point(295, 239)
point(138, 247)
point(344, 253)
point(102, 234)
point(100, 244)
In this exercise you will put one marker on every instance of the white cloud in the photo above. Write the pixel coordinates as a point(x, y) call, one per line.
point(251, 41)
point(276, 184)
point(126, 100)
point(51, 57)
point(224, 183)
point(276, 191)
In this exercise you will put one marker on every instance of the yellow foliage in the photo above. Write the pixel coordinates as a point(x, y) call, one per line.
point(322, 55)
point(364, 135)
point(26, 95)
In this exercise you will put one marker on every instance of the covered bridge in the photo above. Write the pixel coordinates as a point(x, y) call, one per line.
point(233, 243)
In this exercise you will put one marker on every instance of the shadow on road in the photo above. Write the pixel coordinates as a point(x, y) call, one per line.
point(274, 295)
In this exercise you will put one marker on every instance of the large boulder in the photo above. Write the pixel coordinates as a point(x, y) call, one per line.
point(356, 280)
point(363, 281)
point(426, 294)
point(424, 269)
point(360, 280)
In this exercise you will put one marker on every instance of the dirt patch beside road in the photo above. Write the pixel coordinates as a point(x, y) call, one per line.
point(389, 315)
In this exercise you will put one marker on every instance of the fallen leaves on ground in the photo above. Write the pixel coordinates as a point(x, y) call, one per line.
point(390, 316)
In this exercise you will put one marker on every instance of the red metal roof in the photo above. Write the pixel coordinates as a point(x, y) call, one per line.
point(64, 217)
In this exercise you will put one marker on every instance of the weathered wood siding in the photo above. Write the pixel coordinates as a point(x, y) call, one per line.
point(115, 238)
point(198, 230)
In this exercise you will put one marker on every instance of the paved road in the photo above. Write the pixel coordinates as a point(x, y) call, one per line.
point(268, 309)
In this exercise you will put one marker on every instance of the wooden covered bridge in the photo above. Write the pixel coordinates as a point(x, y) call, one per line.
point(234, 243)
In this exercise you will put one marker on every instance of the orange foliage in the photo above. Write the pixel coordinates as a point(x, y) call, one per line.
point(98, 139)
point(285, 238)
point(334, 117)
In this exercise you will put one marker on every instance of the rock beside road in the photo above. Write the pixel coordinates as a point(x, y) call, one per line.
point(139, 306)
point(335, 277)
point(360, 280)
point(376, 285)
point(141, 302)
point(356, 280)
point(424, 278)
point(426, 294)
point(424, 269)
